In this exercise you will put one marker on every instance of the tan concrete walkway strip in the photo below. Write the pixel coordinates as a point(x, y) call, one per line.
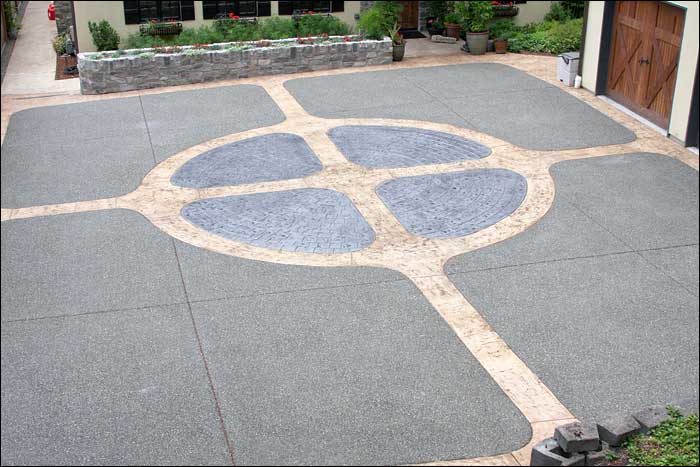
point(420, 259)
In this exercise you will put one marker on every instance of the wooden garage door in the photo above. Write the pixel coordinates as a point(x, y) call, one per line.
point(646, 42)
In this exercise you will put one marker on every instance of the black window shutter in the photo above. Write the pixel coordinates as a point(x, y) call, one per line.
point(264, 9)
point(187, 11)
point(285, 7)
point(131, 12)
point(338, 6)
point(209, 9)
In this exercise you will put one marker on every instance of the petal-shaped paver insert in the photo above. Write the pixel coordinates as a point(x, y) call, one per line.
point(392, 147)
point(278, 156)
point(308, 220)
point(454, 204)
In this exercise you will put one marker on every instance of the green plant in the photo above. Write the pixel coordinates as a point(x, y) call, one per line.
point(316, 25)
point(452, 17)
point(59, 44)
point(547, 37)
point(396, 36)
point(475, 15)
point(375, 21)
point(438, 10)
point(502, 29)
point(557, 12)
point(674, 442)
point(146, 55)
point(278, 27)
point(10, 11)
point(574, 7)
point(103, 35)
point(611, 456)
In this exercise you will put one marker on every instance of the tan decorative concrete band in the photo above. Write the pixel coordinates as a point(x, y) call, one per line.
point(420, 259)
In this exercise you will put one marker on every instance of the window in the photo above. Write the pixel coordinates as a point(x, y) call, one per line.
point(214, 10)
point(288, 8)
point(144, 11)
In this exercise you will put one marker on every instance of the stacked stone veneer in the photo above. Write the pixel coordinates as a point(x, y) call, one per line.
point(64, 16)
point(131, 71)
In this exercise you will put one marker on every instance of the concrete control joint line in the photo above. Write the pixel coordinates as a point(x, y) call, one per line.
point(420, 259)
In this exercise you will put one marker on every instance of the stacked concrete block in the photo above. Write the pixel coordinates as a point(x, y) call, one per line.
point(587, 443)
point(131, 71)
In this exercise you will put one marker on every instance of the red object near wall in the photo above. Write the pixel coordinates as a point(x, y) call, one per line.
point(52, 12)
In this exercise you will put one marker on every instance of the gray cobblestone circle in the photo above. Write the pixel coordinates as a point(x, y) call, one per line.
point(453, 204)
point(264, 158)
point(393, 147)
point(309, 220)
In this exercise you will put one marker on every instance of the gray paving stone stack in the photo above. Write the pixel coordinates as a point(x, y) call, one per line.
point(130, 72)
point(588, 443)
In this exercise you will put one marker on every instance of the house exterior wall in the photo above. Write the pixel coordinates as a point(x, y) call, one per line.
point(113, 11)
point(687, 62)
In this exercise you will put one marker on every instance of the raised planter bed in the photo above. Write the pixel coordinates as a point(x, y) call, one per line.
point(126, 70)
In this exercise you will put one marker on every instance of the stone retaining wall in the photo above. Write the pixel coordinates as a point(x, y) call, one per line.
point(141, 69)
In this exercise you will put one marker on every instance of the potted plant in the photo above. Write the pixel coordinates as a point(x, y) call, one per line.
point(500, 45)
point(434, 26)
point(398, 42)
point(452, 26)
point(477, 15)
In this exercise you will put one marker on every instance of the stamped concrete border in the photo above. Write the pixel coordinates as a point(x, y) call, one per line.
point(421, 260)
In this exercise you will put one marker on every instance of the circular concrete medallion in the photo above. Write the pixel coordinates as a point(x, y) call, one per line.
point(266, 158)
point(454, 204)
point(393, 147)
point(307, 220)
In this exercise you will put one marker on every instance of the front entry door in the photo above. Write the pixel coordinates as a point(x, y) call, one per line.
point(646, 41)
point(408, 18)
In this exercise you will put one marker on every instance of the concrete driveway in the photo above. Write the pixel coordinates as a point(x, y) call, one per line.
point(376, 267)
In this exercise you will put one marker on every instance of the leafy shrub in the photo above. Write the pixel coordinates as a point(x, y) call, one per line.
point(573, 7)
point(278, 27)
point(104, 36)
point(557, 12)
point(59, 44)
point(475, 15)
point(377, 21)
point(438, 9)
point(548, 37)
point(502, 29)
point(315, 25)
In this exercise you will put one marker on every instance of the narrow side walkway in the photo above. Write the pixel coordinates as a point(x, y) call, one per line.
point(32, 66)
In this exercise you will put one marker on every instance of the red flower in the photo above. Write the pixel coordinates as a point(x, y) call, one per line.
point(310, 12)
point(347, 39)
point(154, 21)
point(231, 15)
point(495, 3)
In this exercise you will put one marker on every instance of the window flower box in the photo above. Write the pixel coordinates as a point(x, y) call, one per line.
point(168, 28)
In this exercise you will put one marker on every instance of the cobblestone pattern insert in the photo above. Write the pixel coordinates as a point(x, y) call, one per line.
point(266, 158)
point(393, 147)
point(132, 72)
point(453, 204)
point(308, 220)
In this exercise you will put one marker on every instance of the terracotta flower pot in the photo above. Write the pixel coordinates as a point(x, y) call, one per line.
point(500, 45)
point(452, 30)
point(478, 42)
